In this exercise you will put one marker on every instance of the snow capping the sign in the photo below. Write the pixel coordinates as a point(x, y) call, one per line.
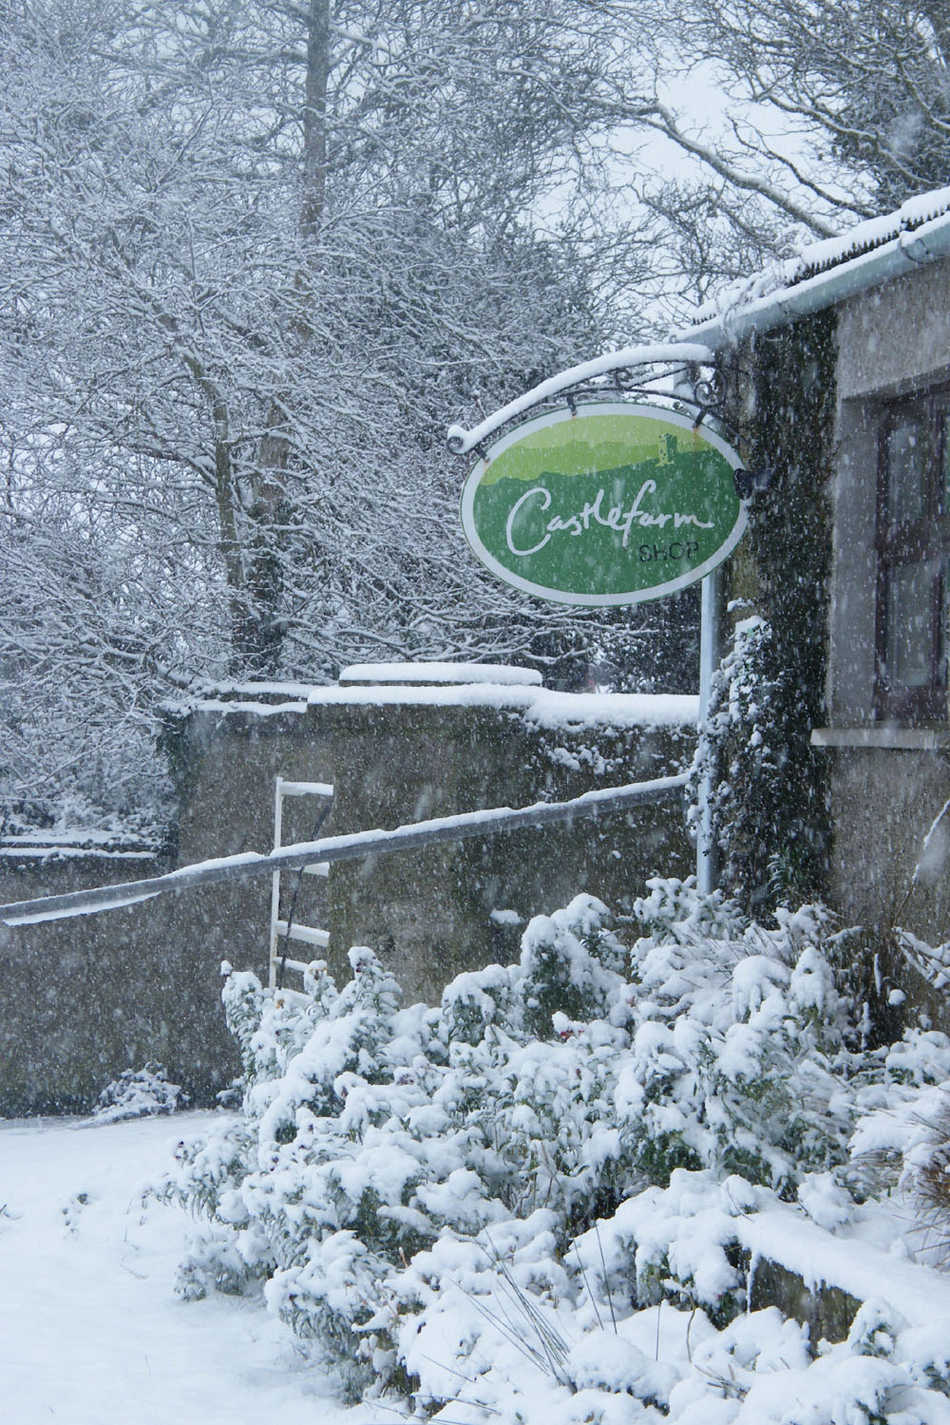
point(461, 441)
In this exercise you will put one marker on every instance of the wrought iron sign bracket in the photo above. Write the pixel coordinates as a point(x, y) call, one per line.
point(690, 379)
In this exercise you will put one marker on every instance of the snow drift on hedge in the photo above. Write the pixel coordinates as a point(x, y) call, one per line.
point(532, 1200)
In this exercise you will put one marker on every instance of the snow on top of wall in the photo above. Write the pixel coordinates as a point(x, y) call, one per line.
point(433, 672)
point(865, 1271)
point(552, 709)
point(80, 837)
point(258, 709)
point(256, 689)
point(80, 842)
point(816, 268)
point(482, 685)
point(261, 689)
point(31, 852)
point(541, 705)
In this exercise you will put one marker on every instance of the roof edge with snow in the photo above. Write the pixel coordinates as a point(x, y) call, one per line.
point(827, 272)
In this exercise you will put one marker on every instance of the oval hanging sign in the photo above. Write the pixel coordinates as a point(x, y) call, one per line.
point(613, 504)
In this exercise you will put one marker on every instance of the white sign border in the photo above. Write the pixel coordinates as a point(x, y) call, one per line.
point(634, 596)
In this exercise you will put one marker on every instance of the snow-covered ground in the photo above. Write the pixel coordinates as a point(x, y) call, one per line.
point(415, 1188)
point(91, 1331)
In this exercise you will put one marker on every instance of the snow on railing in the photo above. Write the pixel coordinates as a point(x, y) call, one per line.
point(339, 848)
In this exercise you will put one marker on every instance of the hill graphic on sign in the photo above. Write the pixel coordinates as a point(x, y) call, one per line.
point(592, 443)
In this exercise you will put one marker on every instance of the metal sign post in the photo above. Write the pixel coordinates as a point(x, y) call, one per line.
point(710, 638)
point(609, 500)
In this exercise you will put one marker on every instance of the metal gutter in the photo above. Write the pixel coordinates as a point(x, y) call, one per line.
point(905, 253)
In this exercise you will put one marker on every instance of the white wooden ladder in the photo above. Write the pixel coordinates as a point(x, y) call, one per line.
point(282, 931)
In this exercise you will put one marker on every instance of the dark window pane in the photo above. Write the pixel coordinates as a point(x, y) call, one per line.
point(904, 463)
point(910, 642)
point(914, 547)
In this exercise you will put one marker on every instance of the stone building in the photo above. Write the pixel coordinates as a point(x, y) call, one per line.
point(839, 363)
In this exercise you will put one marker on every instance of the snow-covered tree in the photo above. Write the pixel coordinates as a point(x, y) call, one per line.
point(867, 87)
point(793, 120)
point(255, 258)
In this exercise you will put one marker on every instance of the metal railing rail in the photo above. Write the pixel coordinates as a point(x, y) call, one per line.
point(340, 848)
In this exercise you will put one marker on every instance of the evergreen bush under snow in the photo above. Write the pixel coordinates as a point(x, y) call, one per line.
point(512, 1192)
point(769, 808)
point(137, 1093)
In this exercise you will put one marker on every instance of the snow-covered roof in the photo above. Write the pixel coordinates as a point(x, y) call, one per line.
point(826, 272)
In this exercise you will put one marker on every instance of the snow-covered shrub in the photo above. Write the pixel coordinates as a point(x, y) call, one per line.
point(901, 1142)
point(137, 1093)
point(675, 1244)
point(570, 965)
point(738, 1050)
point(929, 1177)
point(673, 909)
point(446, 1192)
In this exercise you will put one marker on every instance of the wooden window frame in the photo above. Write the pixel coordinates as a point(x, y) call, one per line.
point(904, 544)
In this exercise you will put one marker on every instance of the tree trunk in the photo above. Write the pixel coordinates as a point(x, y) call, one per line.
point(262, 636)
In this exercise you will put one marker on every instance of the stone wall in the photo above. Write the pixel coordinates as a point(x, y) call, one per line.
point(402, 757)
point(886, 799)
point(402, 753)
point(81, 999)
point(85, 998)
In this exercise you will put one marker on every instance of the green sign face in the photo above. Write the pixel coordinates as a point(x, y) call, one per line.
point(613, 505)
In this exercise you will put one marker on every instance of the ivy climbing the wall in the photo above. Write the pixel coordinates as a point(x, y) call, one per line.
point(771, 837)
point(771, 810)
